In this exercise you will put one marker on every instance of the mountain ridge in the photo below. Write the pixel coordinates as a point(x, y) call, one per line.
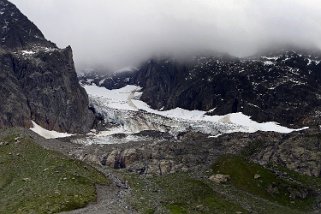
point(282, 86)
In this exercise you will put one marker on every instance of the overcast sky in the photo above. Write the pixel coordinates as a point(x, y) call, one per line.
point(121, 33)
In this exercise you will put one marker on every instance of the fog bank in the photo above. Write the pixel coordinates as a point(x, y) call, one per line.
point(115, 34)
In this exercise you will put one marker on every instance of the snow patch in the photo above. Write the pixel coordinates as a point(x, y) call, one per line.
point(102, 81)
point(268, 63)
point(270, 58)
point(25, 52)
point(214, 136)
point(46, 133)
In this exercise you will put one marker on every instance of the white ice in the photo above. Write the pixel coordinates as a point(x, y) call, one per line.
point(127, 98)
point(46, 133)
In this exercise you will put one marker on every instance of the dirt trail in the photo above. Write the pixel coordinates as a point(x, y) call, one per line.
point(110, 199)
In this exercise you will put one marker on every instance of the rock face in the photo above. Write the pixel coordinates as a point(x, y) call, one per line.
point(300, 153)
point(38, 80)
point(282, 86)
point(14, 109)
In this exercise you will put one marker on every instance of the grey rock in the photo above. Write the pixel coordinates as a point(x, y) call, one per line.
point(257, 176)
point(220, 178)
point(299, 152)
point(38, 80)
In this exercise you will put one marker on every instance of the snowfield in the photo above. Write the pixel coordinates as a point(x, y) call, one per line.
point(46, 133)
point(123, 108)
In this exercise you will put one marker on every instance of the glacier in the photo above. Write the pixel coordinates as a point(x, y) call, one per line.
point(123, 108)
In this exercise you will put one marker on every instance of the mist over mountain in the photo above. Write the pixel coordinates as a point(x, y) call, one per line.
point(114, 34)
point(217, 108)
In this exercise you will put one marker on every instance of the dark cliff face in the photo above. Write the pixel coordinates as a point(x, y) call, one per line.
point(38, 80)
point(282, 86)
point(14, 110)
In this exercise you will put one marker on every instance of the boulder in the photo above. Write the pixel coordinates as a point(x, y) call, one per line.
point(165, 167)
point(129, 156)
point(92, 158)
point(112, 157)
point(257, 176)
point(220, 178)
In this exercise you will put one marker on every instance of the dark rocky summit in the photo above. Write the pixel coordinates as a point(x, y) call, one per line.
point(38, 80)
point(17, 31)
point(282, 86)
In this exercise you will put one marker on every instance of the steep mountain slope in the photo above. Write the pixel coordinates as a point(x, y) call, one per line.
point(17, 31)
point(282, 86)
point(38, 80)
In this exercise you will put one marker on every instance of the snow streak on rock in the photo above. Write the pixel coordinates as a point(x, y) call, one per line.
point(46, 133)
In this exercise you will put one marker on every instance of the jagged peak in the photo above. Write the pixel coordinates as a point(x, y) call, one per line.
point(17, 31)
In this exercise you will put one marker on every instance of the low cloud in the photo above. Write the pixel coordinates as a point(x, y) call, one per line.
point(113, 34)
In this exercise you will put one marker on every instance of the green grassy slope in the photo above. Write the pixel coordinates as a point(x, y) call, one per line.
point(35, 180)
point(290, 192)
point(177, 193)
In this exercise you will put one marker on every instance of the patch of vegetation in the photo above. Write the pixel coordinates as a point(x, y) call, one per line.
point(178, 193)
point(36, 180)
point(176, 208)
point(266, 184)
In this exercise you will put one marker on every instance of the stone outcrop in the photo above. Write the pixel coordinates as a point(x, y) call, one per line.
point(298, 153)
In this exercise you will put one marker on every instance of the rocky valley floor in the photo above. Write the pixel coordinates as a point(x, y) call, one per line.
point(181, 161)
point(234, 173)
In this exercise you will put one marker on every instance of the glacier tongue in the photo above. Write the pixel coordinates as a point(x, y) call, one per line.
point(130, 115)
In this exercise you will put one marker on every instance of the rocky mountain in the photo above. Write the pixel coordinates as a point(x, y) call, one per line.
point(38, 80)
point(282, 85)
point(17, 31)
